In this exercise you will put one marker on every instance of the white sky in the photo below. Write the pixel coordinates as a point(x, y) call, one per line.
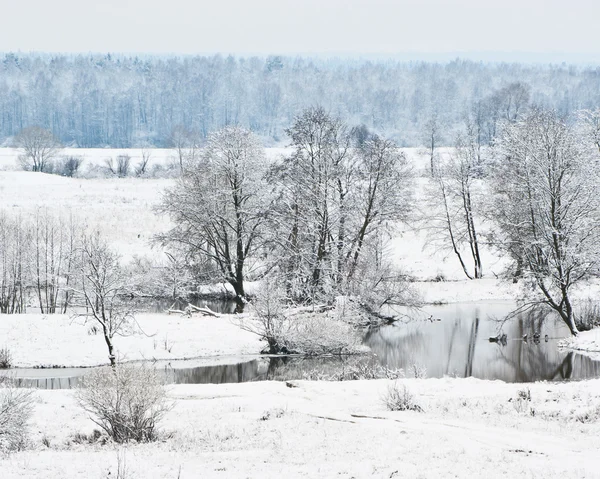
point(302, 26)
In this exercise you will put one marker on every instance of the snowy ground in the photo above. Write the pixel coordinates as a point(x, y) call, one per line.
point(57, 340)
point(587, 342)
point(469, 428)
point(124, 208)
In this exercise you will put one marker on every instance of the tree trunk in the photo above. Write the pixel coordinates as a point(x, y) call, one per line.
point(111, 352)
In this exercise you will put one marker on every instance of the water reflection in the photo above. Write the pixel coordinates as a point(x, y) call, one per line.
point(456, 345)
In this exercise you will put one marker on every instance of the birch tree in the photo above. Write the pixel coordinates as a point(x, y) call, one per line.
point(452, 217)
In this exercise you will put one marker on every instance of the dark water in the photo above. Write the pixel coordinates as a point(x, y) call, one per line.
point(223, 306)
point(457, 345)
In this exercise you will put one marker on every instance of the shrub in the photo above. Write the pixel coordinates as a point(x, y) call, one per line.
point(587, 315)
point(308, 331)
point(354, 369)
point(127, 402)
point(590, 415)
point(16, 406)
point(5, 358)
point(69, 166)
point(399, 398)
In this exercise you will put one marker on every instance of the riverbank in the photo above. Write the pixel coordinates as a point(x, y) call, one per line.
point(56, 340)
point(586, 342)
point(469, 428)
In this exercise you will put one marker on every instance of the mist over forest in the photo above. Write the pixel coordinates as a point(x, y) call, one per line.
point(90, 100)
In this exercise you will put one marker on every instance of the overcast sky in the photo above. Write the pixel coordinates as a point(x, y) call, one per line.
point(557, 28)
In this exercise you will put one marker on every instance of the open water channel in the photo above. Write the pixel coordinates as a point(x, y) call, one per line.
point(453, 342)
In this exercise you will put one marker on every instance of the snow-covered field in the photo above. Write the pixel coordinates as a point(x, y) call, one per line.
point(37, 340)
point(469, 428)
point(123, 207)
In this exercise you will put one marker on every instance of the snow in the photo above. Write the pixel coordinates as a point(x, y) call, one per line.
point(466, 290)
point(586, 342)
point(37, 340)
point(469, 428)
point(123, 207)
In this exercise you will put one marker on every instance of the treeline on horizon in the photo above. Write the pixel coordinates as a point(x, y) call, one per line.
point(90, 100)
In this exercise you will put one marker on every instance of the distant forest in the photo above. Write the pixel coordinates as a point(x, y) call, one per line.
point(122, 101)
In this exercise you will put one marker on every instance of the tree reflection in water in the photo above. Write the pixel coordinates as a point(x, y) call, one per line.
point(455, 346)
point(459, 346)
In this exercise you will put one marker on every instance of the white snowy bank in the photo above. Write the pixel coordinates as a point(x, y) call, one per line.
point(586, 342)
point(58, 340)
point(469, 428)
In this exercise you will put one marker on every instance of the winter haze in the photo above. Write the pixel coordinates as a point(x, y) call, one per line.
point(508, 30)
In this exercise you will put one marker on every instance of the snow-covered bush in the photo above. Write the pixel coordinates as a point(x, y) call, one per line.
point(310, 331)
point(5, 358)
point(16, 406)
point(592, 414)
point(399, 398)
point(127, 402)
point(587, 315)
point(68, 166)
point(355, 368)
point(522, 402)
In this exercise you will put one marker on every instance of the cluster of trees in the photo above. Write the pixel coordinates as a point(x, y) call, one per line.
point(41, 152)
point(120, 101)
point(313, 219)
point(53, 263)
point(317, 219)
point(532, 196)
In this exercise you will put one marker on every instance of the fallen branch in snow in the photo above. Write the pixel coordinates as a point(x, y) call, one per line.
point(190, 309)
point(318, 308)
point(206, 311)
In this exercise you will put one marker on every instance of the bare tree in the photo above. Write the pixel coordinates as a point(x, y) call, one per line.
point(38, 147)
point(101, 288)
point(142, 166)
point(186, 144)
point(14, 243)
point(312, 210)
point(219, 206)
point(547, 205)
point(451, 219)
point(382, 194)
point(335, 195)
point(54, 240)
point(432, 133)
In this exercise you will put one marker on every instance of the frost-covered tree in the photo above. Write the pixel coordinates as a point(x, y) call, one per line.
point(547, 207)
point(453, 207)
point(219, 207)
point(591, 125)
point(335, 196)
point(51, 255)
point(101, 287)
point(38, 146)
point(15, 240)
